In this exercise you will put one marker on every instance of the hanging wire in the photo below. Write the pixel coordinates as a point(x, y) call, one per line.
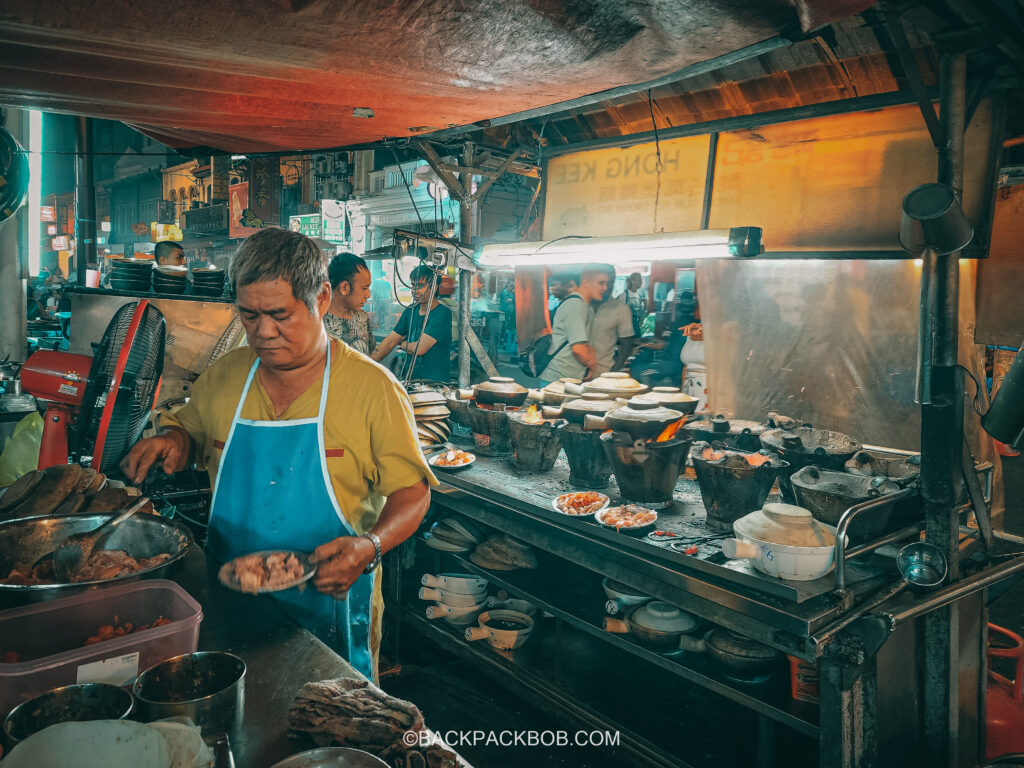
point(657, 151)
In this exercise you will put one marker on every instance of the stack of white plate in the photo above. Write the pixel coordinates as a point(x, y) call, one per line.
point(458, 597)
point(432, 417)
point(454, 534)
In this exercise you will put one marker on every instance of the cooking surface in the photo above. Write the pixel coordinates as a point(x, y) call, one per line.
point(533, 492)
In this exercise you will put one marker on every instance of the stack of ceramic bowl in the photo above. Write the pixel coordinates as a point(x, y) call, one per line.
point(208, 281)
point(432, 417)
point(131, 275)
point(169, 279)
point(454, 534)
point(458, 597)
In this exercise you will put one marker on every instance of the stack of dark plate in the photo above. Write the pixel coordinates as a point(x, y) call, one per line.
point(208, 281)
point(169, 279)
point(131, 275)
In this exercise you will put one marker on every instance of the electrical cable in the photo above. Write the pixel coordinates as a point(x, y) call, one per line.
point(977, 390)
point(657, 151)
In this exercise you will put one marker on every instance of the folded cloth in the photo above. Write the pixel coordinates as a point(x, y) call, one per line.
point(355, 713)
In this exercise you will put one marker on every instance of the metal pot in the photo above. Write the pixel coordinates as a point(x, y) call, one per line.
point(733, 483)
point(828, 494)
point(71, 703)
point(733, 433)
point(577, 409)
point(207, 687)
point(642, 419)
point(331, 757)
point(737, 657)
point(656, 624)
point(615, 383)
point(805, 446)
point(500, 390)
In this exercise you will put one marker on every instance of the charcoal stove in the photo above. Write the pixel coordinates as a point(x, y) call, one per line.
point(589, 466)
point(489, 424)
point(535, 444)
point(646, 470)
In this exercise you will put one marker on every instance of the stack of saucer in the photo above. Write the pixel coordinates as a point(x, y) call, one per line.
point(131, 275)
point(208, 281)
point(432, 414)
point(168, 279)
point(454, 534)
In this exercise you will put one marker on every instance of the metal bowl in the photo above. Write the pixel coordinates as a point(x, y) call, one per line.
point(922, 564)
point(25, 540)
point(331, 757)
point(91, 701)
point(207, 687)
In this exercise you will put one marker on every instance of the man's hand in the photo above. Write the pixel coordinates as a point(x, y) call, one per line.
point(171, 447)
point(340, 563)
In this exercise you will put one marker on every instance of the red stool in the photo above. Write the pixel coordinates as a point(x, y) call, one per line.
point(1005, 700)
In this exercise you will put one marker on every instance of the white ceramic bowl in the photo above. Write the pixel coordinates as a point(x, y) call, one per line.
point(501, 639)
point(457, 599)
point(780, 560)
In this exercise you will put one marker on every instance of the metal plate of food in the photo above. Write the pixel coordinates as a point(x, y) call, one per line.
point(268, 571)
point(331, 757)
point(142, 538)
point(580, 504)
point(452, 459)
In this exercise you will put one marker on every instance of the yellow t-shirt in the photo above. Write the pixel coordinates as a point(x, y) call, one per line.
point(369, 429)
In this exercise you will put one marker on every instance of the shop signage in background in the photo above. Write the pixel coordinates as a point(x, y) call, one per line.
point(624, 191)
point(220, 167)
point(51, 229)
point(59, 243)
point(211, 220)
point(47, 213)
point(332, 214)
point(159, 232)
point(308, 224)
point(242, 220)
point(166, 212)
point(265, 189)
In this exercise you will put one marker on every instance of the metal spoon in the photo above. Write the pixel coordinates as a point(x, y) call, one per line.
point(74, 551)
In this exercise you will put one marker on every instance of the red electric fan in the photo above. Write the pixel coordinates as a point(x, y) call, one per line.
point(97, 407)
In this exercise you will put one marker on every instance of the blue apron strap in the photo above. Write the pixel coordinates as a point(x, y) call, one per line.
point(231, 434)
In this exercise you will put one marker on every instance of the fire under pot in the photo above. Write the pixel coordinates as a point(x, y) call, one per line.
point(646, 470)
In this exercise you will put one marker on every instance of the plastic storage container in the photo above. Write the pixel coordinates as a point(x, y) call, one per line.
point(50, 638)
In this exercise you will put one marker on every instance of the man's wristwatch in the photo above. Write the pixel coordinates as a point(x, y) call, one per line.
point(377, 552)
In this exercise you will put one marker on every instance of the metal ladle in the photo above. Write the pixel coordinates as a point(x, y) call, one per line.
point(74, 551)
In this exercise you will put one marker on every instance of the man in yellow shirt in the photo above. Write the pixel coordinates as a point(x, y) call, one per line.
point(306, 439)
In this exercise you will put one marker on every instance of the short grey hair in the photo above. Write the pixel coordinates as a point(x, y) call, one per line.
point(279, 254)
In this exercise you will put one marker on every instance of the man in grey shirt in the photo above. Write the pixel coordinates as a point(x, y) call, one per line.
point(611, 330)
point(570, 331)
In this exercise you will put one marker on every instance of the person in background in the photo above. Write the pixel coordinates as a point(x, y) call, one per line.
point(572, 355)
point(507, 305)
point(636, 299)
point(380, 293)
point(695, 371)
point(169, 254)
point(611, 335)
point(424, 331)
point(560, 285)
point(350, 288)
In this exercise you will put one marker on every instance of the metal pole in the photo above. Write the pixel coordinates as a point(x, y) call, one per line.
point(465, 277)
point(85, 199)
point(941, 445)
point(13, 316)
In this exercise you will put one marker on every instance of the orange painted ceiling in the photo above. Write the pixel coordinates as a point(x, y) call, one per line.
point(265, 75)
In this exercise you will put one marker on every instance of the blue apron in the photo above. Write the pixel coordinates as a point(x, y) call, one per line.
point(273, 491)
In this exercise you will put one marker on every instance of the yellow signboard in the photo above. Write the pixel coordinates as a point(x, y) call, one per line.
point(627, 191)
point(159, 232)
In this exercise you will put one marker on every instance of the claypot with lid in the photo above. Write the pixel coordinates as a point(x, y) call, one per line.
point(673, 397)
point(555, 393)
point(616, 383)
point(642, 419)
point(656, 624)
point(785, 524)
point(500, 390)
point(738, 657)
point(576, 410)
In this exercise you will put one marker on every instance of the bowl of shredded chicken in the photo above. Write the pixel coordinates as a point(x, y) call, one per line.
point(272, 571)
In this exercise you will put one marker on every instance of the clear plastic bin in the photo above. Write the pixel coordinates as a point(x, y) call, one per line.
point(50, 637)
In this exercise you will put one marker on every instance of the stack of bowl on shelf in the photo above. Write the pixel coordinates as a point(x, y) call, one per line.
point(458, 597)
point(454, 535)
point(131, 275)
point(432, 417)
point(169, 279)
point(208, 281)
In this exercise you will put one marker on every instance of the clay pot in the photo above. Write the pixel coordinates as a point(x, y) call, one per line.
point(737, 657)
point(656, 624)
point(576, 410)
point(675, 398)
point(641, 419)
point(615, 383)
point(555, 392)
point(500, 390)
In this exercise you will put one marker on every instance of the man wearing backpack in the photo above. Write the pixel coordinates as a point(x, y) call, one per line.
point(572, 355)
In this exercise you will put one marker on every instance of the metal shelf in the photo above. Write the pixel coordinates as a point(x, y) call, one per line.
point(745, 699)
point(529, 682)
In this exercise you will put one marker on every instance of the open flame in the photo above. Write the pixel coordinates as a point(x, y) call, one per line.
point(532, 415)
point(669, 432)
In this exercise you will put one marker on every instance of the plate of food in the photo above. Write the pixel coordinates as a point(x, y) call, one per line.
point(580, 504)
point(452, 459)
point(628, 518)
point(269, 571)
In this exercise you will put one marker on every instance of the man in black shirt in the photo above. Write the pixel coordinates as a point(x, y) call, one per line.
point(424, 331)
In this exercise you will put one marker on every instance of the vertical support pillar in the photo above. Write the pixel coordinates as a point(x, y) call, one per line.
point(465, 277)
point(941, 445)
point(85, 199)
point(13, 317)
point(848, 707)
